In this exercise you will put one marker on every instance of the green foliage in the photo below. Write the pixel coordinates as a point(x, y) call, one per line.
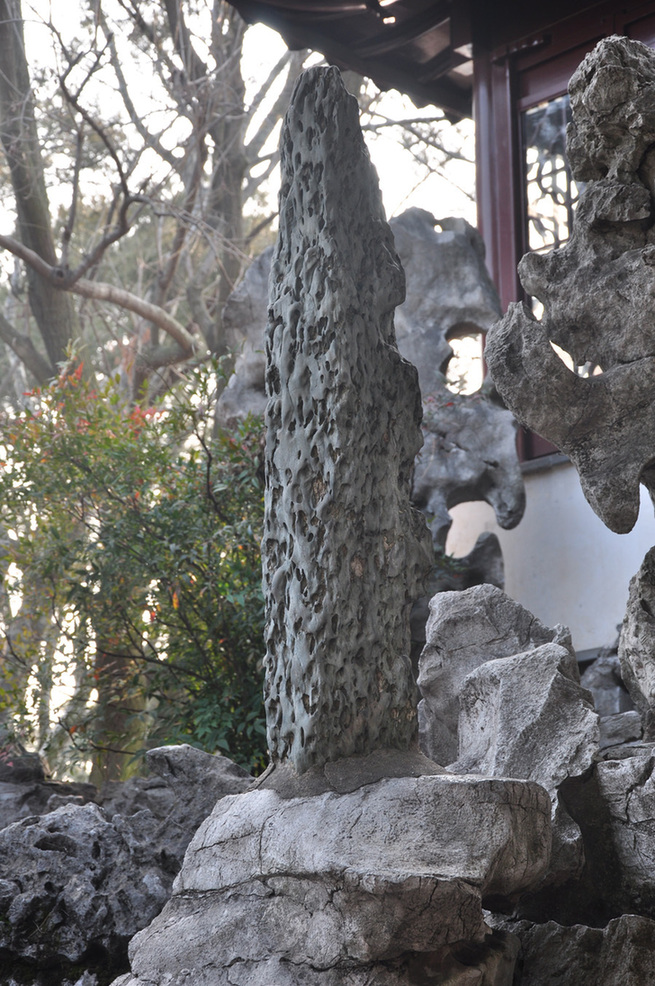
point(134, 538)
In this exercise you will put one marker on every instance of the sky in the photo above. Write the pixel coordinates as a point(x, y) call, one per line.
point(400, 180)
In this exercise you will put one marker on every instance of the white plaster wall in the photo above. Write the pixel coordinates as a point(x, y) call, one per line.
point(561, 562)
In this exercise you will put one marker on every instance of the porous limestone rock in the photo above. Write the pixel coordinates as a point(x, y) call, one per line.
point(469, 453)
point(184, 785)
point(469, 448)
point(595, 290)
point(620, 954)
point(22, 800)
point(343, 553)
point(72, 880)
point(464, 630)
point(637, 638)
point(342, 888)
point(244, 322)
point(449, 291)
point(343, 870)
point(526, 716)
point(82, 880)
point(24, 790)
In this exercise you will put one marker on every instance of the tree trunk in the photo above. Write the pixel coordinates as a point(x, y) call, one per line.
point(52, 309)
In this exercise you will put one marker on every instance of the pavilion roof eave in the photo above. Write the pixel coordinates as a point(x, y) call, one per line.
point(324, 27)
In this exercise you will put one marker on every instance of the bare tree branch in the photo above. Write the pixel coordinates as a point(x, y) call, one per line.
point(102, 292)
point(24, 348)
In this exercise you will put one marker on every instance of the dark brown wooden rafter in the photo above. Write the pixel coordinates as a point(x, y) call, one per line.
point(395, 36)
point(411, 53)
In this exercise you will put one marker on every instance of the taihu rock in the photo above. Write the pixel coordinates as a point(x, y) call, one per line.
point(464, 630)
point(340, 868)
point(604, 421)
point(82, 879)
point(637, 638)
point(527, 716)
point(79, 881)
point(344, 553)
point(469, 450)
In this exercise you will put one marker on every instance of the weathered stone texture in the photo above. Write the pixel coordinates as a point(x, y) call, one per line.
point(344, 554)
point(525, 716)
point(637, 638)
point(72, 879)
point(627, 791)
point(419, 855)
point(449, 291)
point(603, 678)
point(80, 880)
point(595, 291)
point(244, 319)
point(464, 630)
point(469, 453)
point(470, 441)
point(621, 954)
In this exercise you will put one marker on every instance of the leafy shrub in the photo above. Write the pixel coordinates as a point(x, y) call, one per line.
point(132, 544)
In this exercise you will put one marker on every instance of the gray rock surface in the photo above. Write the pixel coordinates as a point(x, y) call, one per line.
point(621, 954)
point(603, 678)
point(470, 441)
point(464, 630)
point(72, 879)
point(343, 552)
point(595, 290)
point(84, 878)
point(469, 453)
point(621, 728)
point(637, 638)
point(24, 799)
point(526, 716)
point(627, 792)
point(420, 854)
point(244, 321)
point(449, 291)
point(343, 869)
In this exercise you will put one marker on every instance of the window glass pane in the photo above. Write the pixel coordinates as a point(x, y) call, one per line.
point(551, 192)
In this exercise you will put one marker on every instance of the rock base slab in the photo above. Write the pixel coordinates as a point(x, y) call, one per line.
point(336, 888)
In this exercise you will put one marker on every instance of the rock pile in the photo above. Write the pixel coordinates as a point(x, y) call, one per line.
point(356, 859)
point(598, 292)
point(78, 880)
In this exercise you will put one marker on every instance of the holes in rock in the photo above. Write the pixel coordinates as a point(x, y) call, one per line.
point(57, 842)
point(464, 371)
point(588, 369)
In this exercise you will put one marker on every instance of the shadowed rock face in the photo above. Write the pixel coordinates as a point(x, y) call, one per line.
point(344, 553)
point(597, 292)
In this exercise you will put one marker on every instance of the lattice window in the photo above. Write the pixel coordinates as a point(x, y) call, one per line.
point(551, 192)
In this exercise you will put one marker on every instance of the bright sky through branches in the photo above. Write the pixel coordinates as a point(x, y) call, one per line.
point(403, 183)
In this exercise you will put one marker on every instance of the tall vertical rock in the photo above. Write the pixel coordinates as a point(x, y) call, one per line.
point(355, 860)
point(344, 552)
